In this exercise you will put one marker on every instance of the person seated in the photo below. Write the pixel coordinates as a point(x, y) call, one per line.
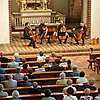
point(40, 69)
point(69, 95)
point(91, 84)
point(69, 84)
point(2, 58)
point(47, 63)
point(82, 79)
point(30, 75)
point(62, 79)
point(53, 56)
point(2, 77)
point(64, 62)
point(25, 69)
point(41, 56)
point(57, 66)
point(2, 71)
point(18, 75)
point(69, 67)
point(75, 71)
point(26, 83)
point(13, 64)
point(47, 93)
point(87, 95)
point(36, 89)
point(2, 93)
point(98, 97)
point(16, 55)
point(10, 83)
point(15, 95)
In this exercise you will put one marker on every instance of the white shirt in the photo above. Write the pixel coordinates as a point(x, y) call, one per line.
point(3, 93)
point(40, 70)
point(97, 97)
point(40, 58)
point(69, 97)
point(10, 83)
point(82, 80)
point(86, 97)
point(65, 88)
point(19, 76)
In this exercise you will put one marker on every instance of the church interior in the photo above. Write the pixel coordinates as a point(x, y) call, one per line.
point(62, 49)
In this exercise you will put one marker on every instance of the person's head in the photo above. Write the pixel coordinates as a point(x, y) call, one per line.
point(23, 60)
point(40, 65)
point(25, 66)
point(91, 50)
point(62, 75)
point(25, 78)
point(35, 85)
point(99, 90)
point(47, 60)
point(41, 53)
point(82, 74)
point(70, 91)
point(30, 71)
point(75, 68)
point(57, 61)
point(47, 92)
point(69, 82)
point(26, 24)
point(15, 94)
point(2, 53)
point(91, 81)
point(42, 21)
point(63, 59)
point(81, 24)
point(61, 22)
point(68, 62)
point(87, 91)
point(53, 54)
point(10, 77)
point(18, 70)
point(16, 55)
point(1, 87)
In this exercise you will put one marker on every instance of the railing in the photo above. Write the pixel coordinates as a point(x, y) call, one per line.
point(19, 21)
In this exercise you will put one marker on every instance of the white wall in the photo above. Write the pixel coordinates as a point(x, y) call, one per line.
point(85, 11)
point(95, 18)
point(4, 22)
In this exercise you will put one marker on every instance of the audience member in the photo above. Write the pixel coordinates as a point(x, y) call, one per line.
point(2, 71)
point(87, 95)
point(91, 84)
point(69, 67)
point(98, 97)
point(75, 71)
point(30, 75)
point(47, 63)
point(47, 93)
point(15, 95)
point(62, 79)
point(10, 83)
point(41, 56)
point(2, 58)
point(56, 67)
point(25, 68)
point(69, 84)
point(2, 77)
point(36, 89)
point(26, 83)
point(69, 95)
point(40, 69)
point(16, 55)
point(82, 79)
point(1, 91)
point(13, 64)
point(53, 56)
point(64, 62)
point(18, 75)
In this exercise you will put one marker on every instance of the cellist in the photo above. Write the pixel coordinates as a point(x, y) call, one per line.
point(82, 28)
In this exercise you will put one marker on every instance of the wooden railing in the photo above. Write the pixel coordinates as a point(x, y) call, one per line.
point(19, 21)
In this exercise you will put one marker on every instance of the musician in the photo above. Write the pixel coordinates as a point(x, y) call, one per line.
point(43, 32)
point(84, 28)
point(62, 25)
point(27, 36)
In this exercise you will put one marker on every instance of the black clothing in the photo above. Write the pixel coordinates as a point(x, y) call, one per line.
point(59, 27)
point(35, 91)
point(3, 59)
point(27, 36)
point(41, 33)
point(31, 76)
point(90, 87)
point(56, 68)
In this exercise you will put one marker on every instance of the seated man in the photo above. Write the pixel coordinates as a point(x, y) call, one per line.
point(27, 36)
point(16, 55)
point(41, 56)
point(98, 97)
point(43, 31)
point(40, 69)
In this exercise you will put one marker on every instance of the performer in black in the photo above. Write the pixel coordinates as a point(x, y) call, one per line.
point(43, 32)
point(27, 36)
point(84, 28)
point(59, 27)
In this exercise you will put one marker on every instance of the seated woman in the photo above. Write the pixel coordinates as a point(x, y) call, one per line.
point(15, 95)
point(87, 95)
point(47, 63)
point(64, 62)
point(53, 56)
point(69, 67)
point(69, 95)
point(25, 68)
point(62, 79)
point(48, 95)
point(41, 56)
point(75, 71)
point(40, 69)
point(16, 55)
